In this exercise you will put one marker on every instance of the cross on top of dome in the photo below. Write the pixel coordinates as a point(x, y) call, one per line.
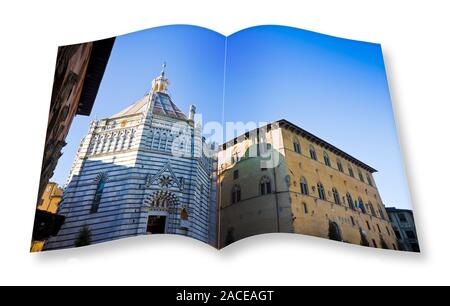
point(160, 83)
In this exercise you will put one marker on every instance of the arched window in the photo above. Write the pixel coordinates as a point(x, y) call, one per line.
point(339, 165)
point(155, 141)
point(321, 191)
point(364, 240)
point(312, 152)
point(380, 210)
point(98, 194)
point(378, 227)
point(163, 142)
point(369, 180)
point(361, 205)
point(297, 148)
point(350, 171)
point(265, 186)
point(372, 210)
point(304, 186)
point(236, 194)
point(235, 156)
point(374, 243)
point(361, 178)
point(350, 201)
point(326, 159)
point(336, 197)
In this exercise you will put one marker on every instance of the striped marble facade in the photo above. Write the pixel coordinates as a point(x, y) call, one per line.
point(148, 160)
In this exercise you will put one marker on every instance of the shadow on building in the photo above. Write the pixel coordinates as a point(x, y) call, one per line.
point(257, 198)
point(110, 201)
point(78, 73)
point(404, 228)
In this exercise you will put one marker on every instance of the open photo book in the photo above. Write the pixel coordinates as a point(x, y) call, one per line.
point(182, 130)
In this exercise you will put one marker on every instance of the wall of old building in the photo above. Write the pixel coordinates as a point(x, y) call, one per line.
point(403, 223)
point(51, 198)
point(320, 212)
point(297, 212)
point(255, 213)
point(70, 73)
point(49, 202)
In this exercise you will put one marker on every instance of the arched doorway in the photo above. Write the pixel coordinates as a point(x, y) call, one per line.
point(160, 204)
point(156, 224)
point(334, 232)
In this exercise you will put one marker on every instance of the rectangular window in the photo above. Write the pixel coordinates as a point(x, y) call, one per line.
point(235, 174)
point(379, 229)
point(368, 225)
point(297, 147)
point(402, 218)
point(415, 247)
point(305, 208)
point(268, 187)
point(410, 235)
point(397, 235)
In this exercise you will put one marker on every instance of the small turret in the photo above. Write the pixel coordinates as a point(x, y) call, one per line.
point(192, 112)
point(160, 83)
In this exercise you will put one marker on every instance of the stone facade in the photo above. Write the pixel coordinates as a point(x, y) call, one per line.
point(78, 73)
point(49, 202)
point(404, 228)
point(281, 178)
point(141, 171)
point(70, 72)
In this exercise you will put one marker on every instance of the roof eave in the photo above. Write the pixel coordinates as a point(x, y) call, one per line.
point(101, 50)
point(327, 145)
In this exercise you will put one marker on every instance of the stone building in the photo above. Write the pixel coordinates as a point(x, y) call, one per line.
point(48, 205)
point(144, 170)
point(404, 226)
point(281, 178)
point(78, 72)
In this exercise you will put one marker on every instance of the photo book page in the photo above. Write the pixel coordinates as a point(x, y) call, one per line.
point(182, 130)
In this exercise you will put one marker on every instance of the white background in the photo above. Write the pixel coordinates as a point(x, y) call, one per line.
point(415, 39)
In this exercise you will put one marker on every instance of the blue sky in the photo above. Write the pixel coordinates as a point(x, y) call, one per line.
point(332, 87)
point(195, 66)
